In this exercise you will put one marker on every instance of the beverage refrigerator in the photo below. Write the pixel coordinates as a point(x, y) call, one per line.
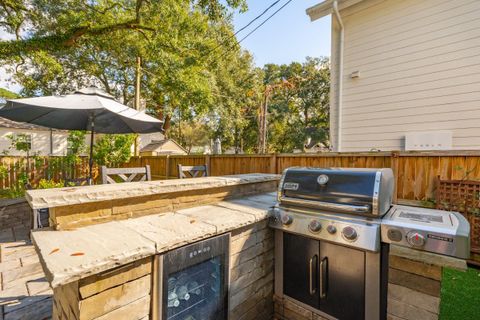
point(192, 281)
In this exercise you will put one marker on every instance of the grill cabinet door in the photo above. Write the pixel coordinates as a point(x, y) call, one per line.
point(300, 268)
point(342, 281)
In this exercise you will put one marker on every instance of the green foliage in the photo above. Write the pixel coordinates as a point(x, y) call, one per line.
point(49, 184)
point(3, 172)
point(112, 150)
point(298, 106)
point(182, 44)
point(20, 142)
point(6, 94)
point(191, 134)
point(193, 72)
point(76, 143)
point(11, 193)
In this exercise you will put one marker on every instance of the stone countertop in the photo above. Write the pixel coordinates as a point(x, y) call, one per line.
point(68, 256)
point(48, 198)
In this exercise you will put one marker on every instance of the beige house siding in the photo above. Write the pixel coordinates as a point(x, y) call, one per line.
point(419, 64)
point(40, 142)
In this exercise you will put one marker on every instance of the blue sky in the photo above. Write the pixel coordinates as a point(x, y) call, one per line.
point(288, 36)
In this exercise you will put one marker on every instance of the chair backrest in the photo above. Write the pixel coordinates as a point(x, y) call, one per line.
point(125, 174)
point(192, 171)
point(70, 181)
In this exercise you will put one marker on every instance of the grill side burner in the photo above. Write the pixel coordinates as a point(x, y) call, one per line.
point(430, 230)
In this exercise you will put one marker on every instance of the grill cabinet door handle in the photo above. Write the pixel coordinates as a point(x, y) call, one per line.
point(312, 287)
point(323, 277)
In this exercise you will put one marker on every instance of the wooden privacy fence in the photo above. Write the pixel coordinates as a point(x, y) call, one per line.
point(415, 172)
point(49, 168)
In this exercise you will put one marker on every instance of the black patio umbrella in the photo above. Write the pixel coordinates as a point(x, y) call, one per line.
point(89, 109)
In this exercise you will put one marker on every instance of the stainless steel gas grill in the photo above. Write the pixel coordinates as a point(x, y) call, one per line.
point(329, 250)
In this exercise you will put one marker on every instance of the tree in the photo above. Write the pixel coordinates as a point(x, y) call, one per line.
point(185, 45)
point(60, 25)
point(112, 150)
point(7, 94)
point(192, 134)
point(298, 99)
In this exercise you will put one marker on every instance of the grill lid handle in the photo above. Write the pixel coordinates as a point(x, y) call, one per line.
point(348, 208)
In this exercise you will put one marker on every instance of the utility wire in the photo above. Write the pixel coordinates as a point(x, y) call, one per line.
point(241, 29)
point(249, 34)
point(256, 28)
point(257, 17)
point(265, 21)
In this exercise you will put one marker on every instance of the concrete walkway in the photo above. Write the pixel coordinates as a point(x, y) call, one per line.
point(24, 292)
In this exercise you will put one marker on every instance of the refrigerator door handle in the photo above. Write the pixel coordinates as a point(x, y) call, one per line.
point(323, 277)
point(312, 286)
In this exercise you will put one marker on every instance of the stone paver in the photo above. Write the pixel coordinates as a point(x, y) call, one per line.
point(24, 291)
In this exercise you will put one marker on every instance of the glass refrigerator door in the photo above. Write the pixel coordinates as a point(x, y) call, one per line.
point(196, 292)
point(195, 280)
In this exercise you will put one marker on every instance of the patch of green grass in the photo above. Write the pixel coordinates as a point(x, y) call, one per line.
point(460, 296)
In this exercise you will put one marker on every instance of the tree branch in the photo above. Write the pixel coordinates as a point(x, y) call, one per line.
point(13, 48)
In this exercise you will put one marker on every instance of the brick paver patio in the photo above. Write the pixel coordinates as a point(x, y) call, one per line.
point(24, 292)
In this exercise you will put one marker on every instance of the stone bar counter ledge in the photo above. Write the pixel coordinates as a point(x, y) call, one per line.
point(99, 252)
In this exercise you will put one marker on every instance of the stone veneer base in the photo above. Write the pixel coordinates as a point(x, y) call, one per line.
point(126, 292)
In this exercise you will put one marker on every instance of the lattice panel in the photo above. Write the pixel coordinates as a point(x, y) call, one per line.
point(464, 197)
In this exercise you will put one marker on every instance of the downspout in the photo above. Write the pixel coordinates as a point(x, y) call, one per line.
point(340, 76)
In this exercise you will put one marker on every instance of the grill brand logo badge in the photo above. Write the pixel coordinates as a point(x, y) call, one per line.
point(290, 186)
point(199, 251)
point(436, 237)
point(322, 179)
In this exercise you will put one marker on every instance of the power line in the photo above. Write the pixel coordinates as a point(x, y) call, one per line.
point(265, 21)
point(242, 28)
point(256, 28)
point(257, 17)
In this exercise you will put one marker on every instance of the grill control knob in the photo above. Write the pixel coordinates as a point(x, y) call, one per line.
point(415, 239)
point(331, 229)
point(349, 233)
point(394, 235)
point(315, 226)
point(286, 219)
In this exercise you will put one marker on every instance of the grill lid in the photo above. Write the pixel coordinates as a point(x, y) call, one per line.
point(347, 190)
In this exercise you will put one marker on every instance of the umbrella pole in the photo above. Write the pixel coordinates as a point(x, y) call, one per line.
point(90, 160)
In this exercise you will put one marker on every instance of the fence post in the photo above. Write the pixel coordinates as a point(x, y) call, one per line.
point(394, 164)
point(167, 166)
point(273, 163)
point(207, 163)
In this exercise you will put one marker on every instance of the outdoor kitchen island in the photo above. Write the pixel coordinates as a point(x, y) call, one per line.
point(111, 270)
point(112, 248)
